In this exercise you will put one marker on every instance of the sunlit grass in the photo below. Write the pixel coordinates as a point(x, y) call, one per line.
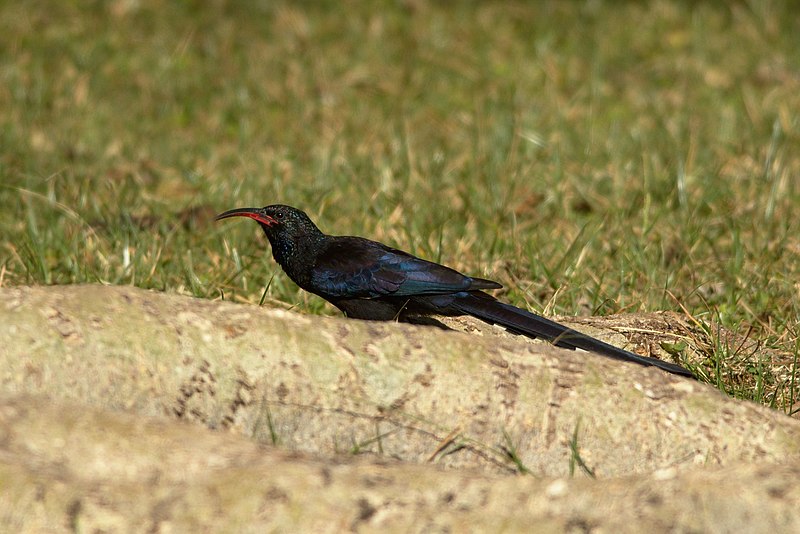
point(594, 157)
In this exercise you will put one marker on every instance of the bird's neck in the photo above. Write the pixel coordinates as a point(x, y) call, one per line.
point(296, 255)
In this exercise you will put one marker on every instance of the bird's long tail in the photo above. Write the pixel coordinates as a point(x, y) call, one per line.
point(487, 308)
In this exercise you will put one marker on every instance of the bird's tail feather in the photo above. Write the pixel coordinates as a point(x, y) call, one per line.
point(489, 309)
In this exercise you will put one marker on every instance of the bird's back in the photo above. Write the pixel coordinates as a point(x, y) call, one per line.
point(358, 267)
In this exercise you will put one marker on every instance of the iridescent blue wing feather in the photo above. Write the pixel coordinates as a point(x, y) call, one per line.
point(354, 267)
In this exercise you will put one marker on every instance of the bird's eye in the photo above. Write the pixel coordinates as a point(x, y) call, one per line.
point(279, 215)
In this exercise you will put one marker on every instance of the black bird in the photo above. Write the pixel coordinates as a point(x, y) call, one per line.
point(368, 280)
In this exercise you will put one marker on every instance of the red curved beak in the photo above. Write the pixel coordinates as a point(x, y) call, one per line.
point(252, 213)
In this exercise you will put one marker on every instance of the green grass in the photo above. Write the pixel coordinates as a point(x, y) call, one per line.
point(594, 157)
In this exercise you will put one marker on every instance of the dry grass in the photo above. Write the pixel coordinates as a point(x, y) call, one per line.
point(594, 157)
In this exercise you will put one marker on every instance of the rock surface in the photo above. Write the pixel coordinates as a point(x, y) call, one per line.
point(439, 422)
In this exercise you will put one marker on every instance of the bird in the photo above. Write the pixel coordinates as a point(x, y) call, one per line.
point(368, 280)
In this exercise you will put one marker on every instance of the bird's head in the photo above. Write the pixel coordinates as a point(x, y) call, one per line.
point(278, 221)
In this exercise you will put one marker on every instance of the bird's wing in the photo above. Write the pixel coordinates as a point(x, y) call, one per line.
point(355, 267)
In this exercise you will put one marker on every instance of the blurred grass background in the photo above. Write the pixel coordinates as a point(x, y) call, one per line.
point(595, 157)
